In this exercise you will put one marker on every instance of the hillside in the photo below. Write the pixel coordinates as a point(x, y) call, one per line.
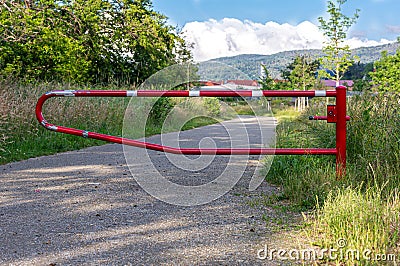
point(249, 64)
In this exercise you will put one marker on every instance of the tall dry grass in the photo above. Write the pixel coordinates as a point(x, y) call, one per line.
point(374, 140)
point(21, 135)
point(3, 120)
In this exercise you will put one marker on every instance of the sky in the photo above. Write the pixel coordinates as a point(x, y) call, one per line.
point(219, 28)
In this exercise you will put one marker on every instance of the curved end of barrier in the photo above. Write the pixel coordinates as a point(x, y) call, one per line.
point(39, 113)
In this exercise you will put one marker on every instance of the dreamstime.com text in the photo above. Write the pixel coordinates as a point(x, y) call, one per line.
point(333, 254)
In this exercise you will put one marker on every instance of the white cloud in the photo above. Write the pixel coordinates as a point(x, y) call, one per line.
point(356, 43)
point(230, 37)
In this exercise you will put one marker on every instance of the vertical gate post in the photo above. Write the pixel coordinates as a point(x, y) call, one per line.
point(341, 92)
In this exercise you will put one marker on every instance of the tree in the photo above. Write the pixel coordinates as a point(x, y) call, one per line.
point(266, 81)
point(359, 71)
point(360, 74)
point(33, 41)
point(338, 56)
point(96, 41)
point(387, 72)
point(301, 74)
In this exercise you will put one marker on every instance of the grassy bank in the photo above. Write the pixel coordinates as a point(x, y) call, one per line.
point(24, 138)
point(362, 208)
point(21, 136)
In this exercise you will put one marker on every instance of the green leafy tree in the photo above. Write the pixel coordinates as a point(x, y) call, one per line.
point(96, 41)
point(33, 42)
point(302, 75)
point(338, 56)
point(302, 72)
point(266, 81)
point(360, 74)
point(385, 76)
point(359, 71)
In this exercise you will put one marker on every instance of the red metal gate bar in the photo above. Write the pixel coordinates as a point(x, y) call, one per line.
point(154, 93)
point(339, 93)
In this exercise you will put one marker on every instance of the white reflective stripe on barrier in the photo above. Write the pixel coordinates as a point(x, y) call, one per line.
point(67, 93)
point(131, 93)
point(257, 93)
point(194, 93)
point(320, 93)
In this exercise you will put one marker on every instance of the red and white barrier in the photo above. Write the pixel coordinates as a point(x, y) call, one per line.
point(340, 120)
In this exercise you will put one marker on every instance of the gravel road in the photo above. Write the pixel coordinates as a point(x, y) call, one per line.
point(84, 208)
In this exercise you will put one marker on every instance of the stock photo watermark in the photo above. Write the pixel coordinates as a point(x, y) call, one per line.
point(229, 131)
point(339, 253)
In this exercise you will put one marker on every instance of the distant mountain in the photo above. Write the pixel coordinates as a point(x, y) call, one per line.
point(249, 65)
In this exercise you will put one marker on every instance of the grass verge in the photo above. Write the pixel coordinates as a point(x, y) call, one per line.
point(25, 138)
point(363, 208)
point(21, 136)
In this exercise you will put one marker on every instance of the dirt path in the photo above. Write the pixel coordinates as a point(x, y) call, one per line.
point(84, 208)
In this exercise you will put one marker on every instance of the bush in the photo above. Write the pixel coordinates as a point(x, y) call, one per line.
point(213, 106)
point(160, 110)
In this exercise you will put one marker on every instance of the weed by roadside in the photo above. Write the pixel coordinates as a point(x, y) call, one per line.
point(361, 224)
